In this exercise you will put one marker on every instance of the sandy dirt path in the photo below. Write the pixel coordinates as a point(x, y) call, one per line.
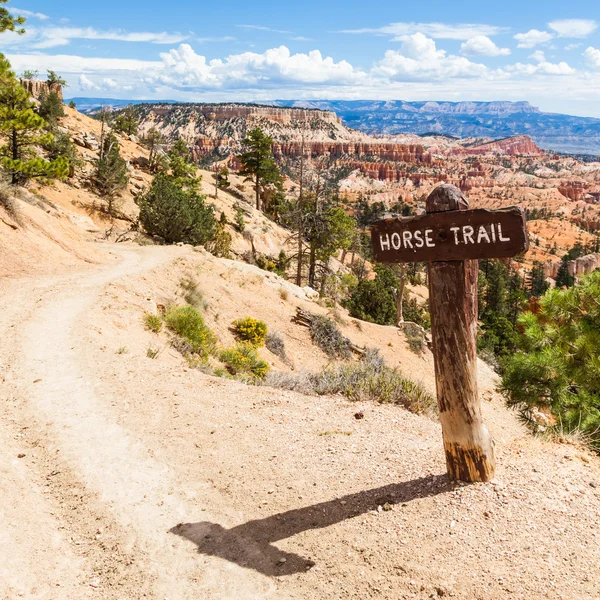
point(86, 489)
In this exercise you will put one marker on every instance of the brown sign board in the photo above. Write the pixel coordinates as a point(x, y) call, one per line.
point(452, 235)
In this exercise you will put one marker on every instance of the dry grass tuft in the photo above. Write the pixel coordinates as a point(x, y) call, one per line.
point(368, 379)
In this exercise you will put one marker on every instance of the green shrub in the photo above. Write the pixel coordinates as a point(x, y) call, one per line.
point(372, 299)
point(325, 334)
point(192, 294)
point(251, 330)
point(275, 344)
point(368, 379)
point(240, 223)
point(189, 325)
point(152, 351)
point(415, 337)
point(243, 359)
point(175, 214)
point(152, 322)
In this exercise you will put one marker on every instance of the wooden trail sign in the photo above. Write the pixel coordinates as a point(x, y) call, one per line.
point(452, 241)
point(454, 235)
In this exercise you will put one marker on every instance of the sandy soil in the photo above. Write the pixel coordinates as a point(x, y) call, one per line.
point(125, 477)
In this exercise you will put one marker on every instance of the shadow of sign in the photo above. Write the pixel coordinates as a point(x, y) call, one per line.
point(250, 545)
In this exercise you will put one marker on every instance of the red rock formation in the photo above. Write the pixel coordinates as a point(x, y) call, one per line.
point(409, 153)
point(512, 146)
point(573, 190)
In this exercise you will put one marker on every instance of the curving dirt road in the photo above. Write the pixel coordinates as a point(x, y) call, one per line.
point(85, 512)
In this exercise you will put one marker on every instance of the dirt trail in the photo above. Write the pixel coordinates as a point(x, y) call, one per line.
point(59, 418)
point(124, 477)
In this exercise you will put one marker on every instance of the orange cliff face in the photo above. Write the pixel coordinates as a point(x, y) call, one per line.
point(410, 153)
point(38, 89)
point(284, 116)
point(512, 146)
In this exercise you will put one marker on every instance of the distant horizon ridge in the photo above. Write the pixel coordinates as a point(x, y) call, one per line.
point(494, 119)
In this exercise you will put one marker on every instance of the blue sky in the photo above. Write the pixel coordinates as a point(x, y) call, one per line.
point(545, 52)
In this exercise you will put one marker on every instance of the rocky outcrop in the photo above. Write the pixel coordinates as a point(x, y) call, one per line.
point(38, 89)
point(521, 145)
point(584, 265)
point(573, 190)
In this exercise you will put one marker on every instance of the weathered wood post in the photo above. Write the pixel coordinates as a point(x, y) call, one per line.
point(451, 238)
point(468, 445)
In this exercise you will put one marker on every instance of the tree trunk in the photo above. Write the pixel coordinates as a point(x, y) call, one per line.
point(312, 266)
point(399, 295)
point(468, 445)
point(257, 192)
point(300, 215)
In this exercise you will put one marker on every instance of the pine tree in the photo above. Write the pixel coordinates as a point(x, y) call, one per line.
point(8, 22)
point(127, 121)
point(23, 131)
point(223, 178)
point(557, 367)
point(51, 108)
point(221, 243)
point(183, 170)
point(257, 161)
point(538, 284)
point(111, 174)
point(327, 229)
point(176, 214)
point(153, 140)
point(563, 277)
point(54, 80)
point(376, 300)
point(501, 297)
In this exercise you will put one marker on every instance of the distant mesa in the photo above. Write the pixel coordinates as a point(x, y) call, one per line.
point(496, 120)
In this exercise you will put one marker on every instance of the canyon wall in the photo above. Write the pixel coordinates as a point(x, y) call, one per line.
point(409, 153)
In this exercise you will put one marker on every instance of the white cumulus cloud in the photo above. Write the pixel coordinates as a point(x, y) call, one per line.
point(85, 83)
point(481, 45)
point(542, 68)
point(109, 83)
point(532, 38)
point(538, 56)
point(183, 68)
point(573, 28)
point(592, 57)
point(418, 58)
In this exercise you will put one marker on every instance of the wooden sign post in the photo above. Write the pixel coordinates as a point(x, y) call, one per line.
point(451, 238)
